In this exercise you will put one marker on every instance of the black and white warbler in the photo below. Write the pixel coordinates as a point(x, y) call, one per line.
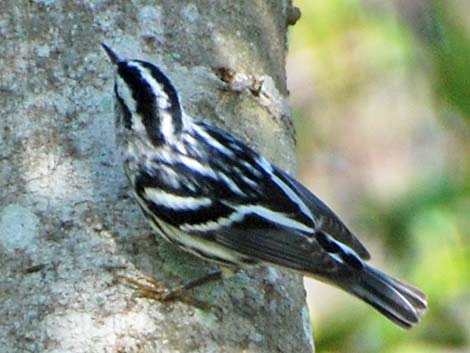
point(209, 193)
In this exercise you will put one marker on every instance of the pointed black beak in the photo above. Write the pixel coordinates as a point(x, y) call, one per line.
point(112, 55)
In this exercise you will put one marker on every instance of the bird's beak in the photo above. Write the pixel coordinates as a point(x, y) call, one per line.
point(112, 55)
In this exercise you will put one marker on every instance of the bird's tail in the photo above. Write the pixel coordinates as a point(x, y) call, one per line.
point(400, 302)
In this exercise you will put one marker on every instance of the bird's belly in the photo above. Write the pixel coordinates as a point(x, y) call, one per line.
point(203, 248)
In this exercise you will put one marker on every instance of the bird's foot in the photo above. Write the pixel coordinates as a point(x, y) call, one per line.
point(147, 287)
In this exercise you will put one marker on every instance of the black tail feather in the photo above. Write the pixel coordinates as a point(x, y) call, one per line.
point(400, 302)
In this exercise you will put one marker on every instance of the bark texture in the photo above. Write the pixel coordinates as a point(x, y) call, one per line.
point(67, 224)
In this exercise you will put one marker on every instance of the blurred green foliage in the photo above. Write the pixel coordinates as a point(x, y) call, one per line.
point(451, 56)
point(345, 47)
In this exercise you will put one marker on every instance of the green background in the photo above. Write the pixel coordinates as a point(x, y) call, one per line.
point(380, 92)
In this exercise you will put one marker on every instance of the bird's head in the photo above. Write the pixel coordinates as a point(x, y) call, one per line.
point(147, 103)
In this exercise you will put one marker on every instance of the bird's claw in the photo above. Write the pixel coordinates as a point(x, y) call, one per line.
point(147, 287)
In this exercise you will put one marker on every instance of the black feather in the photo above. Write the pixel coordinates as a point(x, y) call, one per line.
point(331, 223)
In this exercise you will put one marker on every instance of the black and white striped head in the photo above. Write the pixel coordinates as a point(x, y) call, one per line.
point(146, 100)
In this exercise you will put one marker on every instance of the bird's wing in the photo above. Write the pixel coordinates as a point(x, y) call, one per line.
point(275, 244)
point(329, 221)
point(289, 226)
point(279, 199)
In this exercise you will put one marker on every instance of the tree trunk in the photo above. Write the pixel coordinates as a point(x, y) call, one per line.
point(68, 227)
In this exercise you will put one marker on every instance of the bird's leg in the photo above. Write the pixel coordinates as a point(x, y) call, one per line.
point(146, 287)
point(149, 288)
point(210, 277)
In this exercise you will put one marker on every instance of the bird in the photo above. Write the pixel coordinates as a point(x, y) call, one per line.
point(210, 194)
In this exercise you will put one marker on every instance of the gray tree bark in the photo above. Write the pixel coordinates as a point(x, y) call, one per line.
point(67, 224)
